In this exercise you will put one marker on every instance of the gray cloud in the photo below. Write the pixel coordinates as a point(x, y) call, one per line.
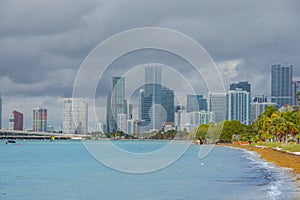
point(44, 42)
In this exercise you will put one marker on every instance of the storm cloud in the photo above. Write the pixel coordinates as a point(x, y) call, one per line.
point(43, 42)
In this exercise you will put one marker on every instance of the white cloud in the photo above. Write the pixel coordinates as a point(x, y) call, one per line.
point(229, 68)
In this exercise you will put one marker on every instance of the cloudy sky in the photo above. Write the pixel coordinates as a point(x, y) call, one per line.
point(43, 42)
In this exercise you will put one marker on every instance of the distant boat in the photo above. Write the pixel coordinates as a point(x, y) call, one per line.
point(10, 142)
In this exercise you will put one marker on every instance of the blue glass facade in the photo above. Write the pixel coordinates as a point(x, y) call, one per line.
point(167, 101)
point(196, 103)
point(238, 107)
point(245, 86)
point(281, 84)
point(296, 89)
point(115, 103)
point(151, 112)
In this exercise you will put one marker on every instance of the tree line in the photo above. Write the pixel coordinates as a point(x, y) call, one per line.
point(273, 125)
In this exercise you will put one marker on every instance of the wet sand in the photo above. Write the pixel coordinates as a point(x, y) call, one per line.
point(279, 158)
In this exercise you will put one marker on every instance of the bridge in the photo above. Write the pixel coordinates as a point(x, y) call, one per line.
point(13, 134)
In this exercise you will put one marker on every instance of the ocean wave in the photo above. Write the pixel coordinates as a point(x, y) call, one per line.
point(272, 178)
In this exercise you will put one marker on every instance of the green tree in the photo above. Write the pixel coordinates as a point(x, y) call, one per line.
point(201, 132)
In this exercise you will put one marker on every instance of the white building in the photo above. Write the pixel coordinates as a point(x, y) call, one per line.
point(11, 122)
point(122, 122)
point(238, 106)
point(181, 119)
point(132, 126)
point(100, 127)
point(75, 119)
point(206, 117)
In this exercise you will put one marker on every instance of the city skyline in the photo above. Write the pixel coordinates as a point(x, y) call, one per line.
point(40, 58)
point(256, 104)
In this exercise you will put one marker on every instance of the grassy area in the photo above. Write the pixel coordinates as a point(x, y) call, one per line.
point(269, 144)
point(291, 147)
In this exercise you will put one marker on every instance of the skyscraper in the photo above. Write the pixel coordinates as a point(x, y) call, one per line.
point(167, 102)
point(141, 104)
point(122, 122)
point(238, 107)
point(39, 119)
point(296, 89)
point(241, 86)
point(15, 121)
point(196, 103)
point(217, 105)
point(116, 103)
point(152, 105)
point(75, 119)
point(281, 84)
point(244, 85)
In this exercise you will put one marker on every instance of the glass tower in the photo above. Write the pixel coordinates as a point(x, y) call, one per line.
point(217, 105)
point(196, 103)
point(116, 103)
point(245, 86)
point(240, 86)
point(152, 102)
point(238, 107)
point(281, 84)
point(167, 101)
point(296, 89)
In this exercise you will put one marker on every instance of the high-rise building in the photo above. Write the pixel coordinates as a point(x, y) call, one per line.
point(151, 113)
point(244, 85)
point(188, 121)
point(11, 122)
point(260, 99)
point(281, 84)
point(0, 111)
point(132, 126)
point(206, 117)
point(129, 110)
point(296, 89)
point(238, 107)
point(217, 104)
point(141, 104)
point(75, 119)
point(196, 103)
point(167, 102)
point(116, 103)
point(39, 119)
point(122, 122)
point(259, 104)
point(183, 121)
point(100, 127)
point(15, 121)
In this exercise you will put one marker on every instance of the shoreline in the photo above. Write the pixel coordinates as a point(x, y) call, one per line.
point(277, 157)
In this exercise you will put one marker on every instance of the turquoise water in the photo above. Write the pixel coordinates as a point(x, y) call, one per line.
point(65, 170)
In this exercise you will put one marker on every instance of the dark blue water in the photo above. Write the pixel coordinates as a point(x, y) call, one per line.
point(65, 170)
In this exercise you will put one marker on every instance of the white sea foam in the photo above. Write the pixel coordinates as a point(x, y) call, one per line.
point(275, 187)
